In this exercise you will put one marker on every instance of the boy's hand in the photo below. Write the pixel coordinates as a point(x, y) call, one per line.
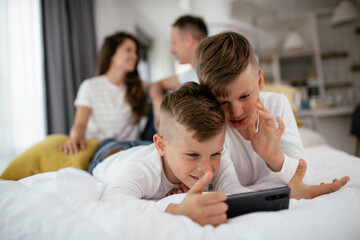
point(181, 189)
point(266, 141)
point(204, 209)
point(299, 190)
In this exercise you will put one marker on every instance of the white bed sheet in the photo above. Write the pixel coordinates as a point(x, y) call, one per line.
point(64, 205)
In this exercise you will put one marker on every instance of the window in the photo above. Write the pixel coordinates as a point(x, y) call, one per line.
point(22, 104)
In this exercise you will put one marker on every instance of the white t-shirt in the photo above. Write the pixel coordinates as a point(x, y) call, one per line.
point(249, 166)
point(111, 115)
point(188, 76)
point(137, 173)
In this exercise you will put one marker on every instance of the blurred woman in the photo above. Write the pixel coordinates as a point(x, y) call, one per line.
point(111, 104)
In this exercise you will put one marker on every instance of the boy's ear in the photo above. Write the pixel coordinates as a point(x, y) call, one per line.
point(261, 80)
point(159, 144)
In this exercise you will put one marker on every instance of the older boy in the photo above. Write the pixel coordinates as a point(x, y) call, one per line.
point(187, 151)
point(226, 64)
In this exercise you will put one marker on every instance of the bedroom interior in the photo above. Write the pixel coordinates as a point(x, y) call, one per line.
point(309, 51)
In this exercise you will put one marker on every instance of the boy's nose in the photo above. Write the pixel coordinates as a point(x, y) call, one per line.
point(205, 166)
point(236, 109)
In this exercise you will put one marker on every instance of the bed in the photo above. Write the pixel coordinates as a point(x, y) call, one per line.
point(64, 205)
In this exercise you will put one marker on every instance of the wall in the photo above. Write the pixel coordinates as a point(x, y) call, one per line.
point(341, 86)
point(340, 49)
point(115, 15)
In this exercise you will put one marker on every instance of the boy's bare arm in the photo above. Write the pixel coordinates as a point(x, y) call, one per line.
point(299, 190)
point(204, 209)
point(266, 141)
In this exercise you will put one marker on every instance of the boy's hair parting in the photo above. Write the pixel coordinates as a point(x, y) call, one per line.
point(195, 25)
point(221, 58)
point(193, 107)
point(135, 92)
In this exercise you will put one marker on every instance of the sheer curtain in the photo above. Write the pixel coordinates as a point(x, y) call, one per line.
point(22, 104)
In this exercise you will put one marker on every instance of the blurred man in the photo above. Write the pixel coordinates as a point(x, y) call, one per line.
point(186, 34)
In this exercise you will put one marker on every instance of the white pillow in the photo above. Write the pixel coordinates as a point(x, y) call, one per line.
point(310, 137)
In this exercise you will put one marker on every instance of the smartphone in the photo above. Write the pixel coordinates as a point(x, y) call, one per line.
point(264, 200)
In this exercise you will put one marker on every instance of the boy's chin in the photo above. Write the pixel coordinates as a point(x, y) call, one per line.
point(190, 182)
point(237, 126)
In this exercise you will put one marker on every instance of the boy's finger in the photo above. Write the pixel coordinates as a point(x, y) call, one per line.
point(265, 117)
point(201, 184)
point(318, 190)
point(300, 172)
point(251, 128)
point(261, 106)
point(213, 198)
point(217, 220)
point(216, 209)
point(281, 127)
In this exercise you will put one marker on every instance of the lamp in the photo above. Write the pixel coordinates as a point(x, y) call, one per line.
point(345, 12)
point(293, 41)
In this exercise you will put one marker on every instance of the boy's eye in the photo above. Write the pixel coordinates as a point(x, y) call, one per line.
point(216, 154)
point(244, 96)
point(223, 103)
point(193, 155)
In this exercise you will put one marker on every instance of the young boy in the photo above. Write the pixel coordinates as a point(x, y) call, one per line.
point(226, 64)
point(185, 155)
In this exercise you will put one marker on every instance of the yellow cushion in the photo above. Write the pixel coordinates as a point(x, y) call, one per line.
point(45, 156)
point(289, 92)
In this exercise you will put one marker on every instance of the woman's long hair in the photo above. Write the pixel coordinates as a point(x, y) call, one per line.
point(135, 92)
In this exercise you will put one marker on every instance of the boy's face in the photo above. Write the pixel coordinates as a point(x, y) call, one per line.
point(185, 159)
point(239, 106)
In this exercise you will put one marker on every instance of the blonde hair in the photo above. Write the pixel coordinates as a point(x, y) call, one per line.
point(221, 58)
point(193, 107)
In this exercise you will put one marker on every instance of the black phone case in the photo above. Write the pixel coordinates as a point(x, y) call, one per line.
point(264, 200)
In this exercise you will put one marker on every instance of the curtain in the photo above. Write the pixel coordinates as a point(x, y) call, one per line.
point(22, 111)
point(70, 57)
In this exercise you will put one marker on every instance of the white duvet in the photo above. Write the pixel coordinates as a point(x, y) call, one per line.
point(64, 205)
